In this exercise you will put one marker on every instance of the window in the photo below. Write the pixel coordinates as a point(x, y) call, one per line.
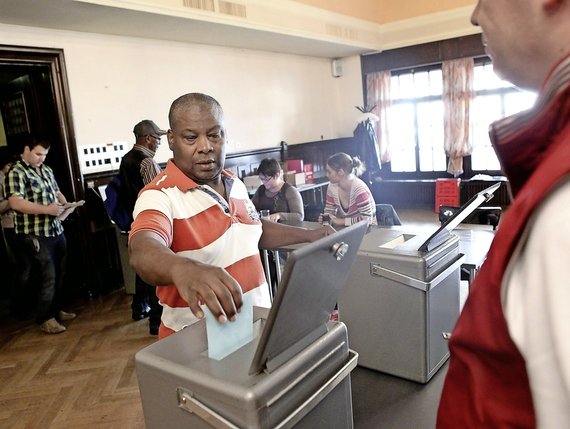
point(494, 99)
point(415, 119)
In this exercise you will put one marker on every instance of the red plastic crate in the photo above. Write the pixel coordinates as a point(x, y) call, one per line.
point(446, 201)
point(446, 193)
point(447, 187)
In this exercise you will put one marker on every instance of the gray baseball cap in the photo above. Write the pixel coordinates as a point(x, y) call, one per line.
point(147, 127)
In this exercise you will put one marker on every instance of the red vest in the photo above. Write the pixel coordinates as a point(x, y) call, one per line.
point(487, 385)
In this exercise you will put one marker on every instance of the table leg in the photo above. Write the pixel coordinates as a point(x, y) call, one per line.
point(265, 257)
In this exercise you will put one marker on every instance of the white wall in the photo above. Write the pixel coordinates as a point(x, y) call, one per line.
point(267, 97)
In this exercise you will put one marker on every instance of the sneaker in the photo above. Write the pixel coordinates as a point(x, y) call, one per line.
point(64, 315)
point(52, 326)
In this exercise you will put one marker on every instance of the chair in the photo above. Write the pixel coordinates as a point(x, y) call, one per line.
point(481, 215)
point(386, 215)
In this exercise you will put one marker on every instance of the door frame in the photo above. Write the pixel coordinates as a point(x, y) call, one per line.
point(54, 58)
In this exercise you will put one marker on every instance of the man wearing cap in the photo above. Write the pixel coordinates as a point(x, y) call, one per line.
point(138, 168)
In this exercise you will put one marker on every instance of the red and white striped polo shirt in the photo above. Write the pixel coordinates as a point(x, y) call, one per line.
point(195, 221)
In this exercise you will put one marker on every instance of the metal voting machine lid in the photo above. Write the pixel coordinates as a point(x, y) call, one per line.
point(444, 231)
point(312, 280)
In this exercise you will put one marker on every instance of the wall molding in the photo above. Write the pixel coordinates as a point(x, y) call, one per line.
point(428, 28)
point(284, 26)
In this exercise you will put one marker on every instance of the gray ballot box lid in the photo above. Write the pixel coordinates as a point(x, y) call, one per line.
point(444, 231)
point(312, 281)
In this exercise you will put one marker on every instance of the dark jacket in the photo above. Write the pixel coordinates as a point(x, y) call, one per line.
point(131, 178)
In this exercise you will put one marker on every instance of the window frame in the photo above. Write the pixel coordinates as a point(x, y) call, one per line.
point(417, 57)
point(416, 102)
point(468, 170)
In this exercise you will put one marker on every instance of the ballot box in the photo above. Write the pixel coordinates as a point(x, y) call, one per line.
point(181, 387)
point(295, 372)
point(401, 300)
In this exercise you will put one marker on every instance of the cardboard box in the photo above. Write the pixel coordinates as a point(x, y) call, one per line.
point(295, 179)
point(252, 182)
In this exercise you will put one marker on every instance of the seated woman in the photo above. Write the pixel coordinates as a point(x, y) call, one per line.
point(283, 201)
point(348, 198)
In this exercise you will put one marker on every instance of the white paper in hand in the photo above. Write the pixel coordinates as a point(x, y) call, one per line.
point(226, 338)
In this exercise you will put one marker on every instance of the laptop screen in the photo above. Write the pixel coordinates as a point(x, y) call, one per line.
point(312, 280)
point(444, 231)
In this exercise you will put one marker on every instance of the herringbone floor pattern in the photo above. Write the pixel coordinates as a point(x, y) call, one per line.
point(82, 378)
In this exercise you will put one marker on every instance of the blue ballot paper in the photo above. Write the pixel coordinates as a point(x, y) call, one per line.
point(226, 338)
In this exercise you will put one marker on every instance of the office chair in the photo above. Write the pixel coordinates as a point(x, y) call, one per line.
point(481, 215)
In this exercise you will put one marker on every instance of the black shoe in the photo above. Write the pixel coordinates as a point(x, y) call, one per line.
point(153, 330)
point(139, 316)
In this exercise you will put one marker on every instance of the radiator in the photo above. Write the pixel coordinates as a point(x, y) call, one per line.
point(404, 193)
point(469, 188)
point(419, 193)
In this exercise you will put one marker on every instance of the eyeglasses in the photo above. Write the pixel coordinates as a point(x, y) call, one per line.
point(264, 178)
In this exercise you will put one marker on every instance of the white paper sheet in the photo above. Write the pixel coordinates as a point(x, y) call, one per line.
point(225, 338)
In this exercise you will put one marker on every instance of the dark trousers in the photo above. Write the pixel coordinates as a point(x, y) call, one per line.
point(45, 255)
point(8, 266)
point(145, 300)
point(25, 285)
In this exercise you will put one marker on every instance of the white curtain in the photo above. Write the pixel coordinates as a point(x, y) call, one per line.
point(378, 93)
point(457, 97)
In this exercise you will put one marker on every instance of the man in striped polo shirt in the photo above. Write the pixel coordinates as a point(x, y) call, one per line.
point(37, 202)
point(196, 233)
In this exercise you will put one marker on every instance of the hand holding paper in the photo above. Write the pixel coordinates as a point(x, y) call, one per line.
point(69, 208)
point(225, 338)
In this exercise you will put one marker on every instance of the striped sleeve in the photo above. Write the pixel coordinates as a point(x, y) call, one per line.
point(149, 170)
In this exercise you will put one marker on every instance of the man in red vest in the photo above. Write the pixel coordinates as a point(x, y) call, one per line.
point(510, 349)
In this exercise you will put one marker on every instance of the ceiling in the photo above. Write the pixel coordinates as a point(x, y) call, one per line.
point(108, 18)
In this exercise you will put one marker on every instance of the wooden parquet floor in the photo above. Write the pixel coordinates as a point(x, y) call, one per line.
point(82, 378)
